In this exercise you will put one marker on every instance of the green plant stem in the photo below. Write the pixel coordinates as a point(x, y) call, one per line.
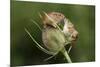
point(65, 53)
point(69, 49)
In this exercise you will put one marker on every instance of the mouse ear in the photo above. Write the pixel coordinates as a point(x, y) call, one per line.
point(48, 20)
point(48, 17)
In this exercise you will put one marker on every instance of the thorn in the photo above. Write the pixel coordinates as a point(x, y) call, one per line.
point(40, 15)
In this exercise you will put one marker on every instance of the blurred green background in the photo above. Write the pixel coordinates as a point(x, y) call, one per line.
point(23, 49)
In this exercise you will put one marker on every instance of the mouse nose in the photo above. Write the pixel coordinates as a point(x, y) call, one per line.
point(74, 36)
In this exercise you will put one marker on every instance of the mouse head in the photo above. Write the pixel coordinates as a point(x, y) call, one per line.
point(52, 18)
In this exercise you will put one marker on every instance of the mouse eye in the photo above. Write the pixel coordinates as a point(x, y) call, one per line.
point(59, 15)
point(55, 14)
